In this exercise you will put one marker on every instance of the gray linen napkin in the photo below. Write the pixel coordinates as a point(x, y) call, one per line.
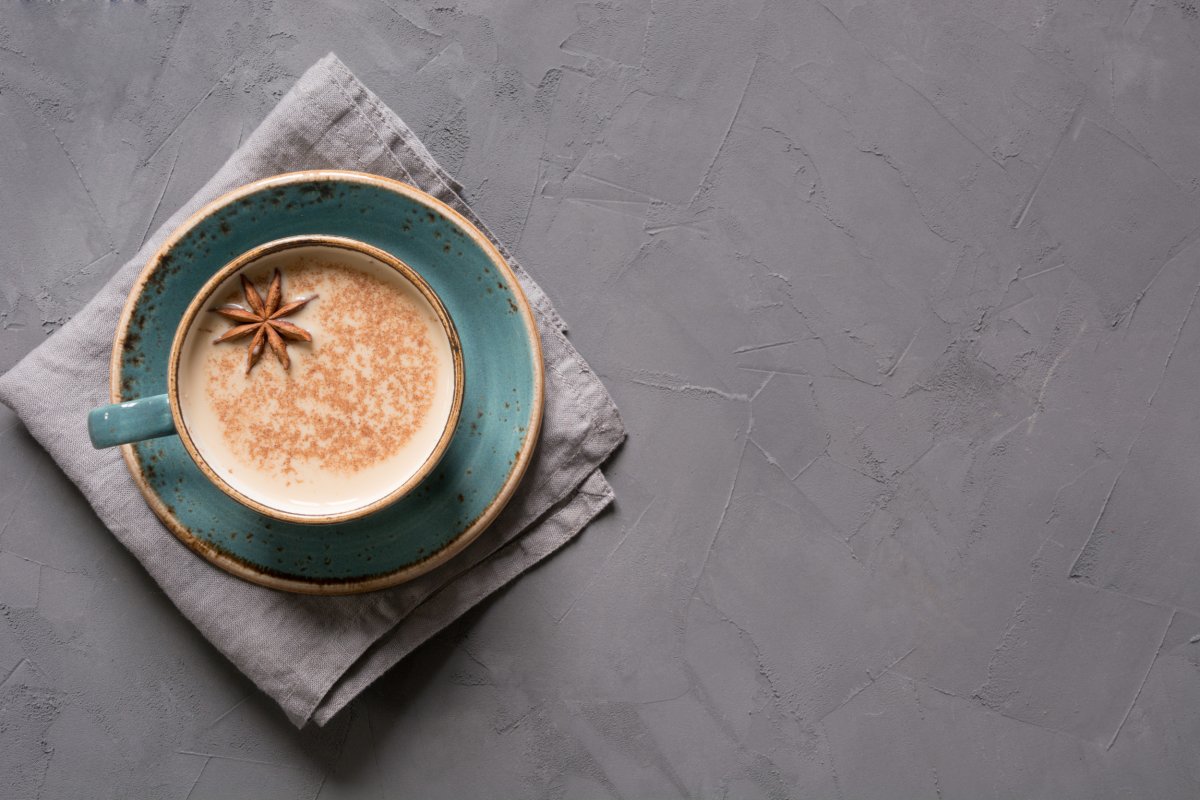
point(313, 655)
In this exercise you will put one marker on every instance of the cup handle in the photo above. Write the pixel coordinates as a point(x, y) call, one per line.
point(131, 421)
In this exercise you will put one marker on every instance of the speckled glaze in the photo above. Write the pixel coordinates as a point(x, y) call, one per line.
point(502, 393)
point(131, 421)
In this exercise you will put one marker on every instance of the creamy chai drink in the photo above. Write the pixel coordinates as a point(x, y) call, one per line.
point(318, 379)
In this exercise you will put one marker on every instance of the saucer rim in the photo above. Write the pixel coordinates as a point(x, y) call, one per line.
point(325, 586)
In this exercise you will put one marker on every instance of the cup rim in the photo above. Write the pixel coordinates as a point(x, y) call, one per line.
point(289, 243)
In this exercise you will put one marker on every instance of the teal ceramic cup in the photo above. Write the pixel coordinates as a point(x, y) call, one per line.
point(162, 415)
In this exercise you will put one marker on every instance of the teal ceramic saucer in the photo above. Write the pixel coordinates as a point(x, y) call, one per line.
point(502, 394)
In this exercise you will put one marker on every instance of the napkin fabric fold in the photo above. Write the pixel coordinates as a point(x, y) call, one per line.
point(313, 655)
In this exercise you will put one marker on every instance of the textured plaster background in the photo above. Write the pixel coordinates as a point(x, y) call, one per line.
point(896, 299)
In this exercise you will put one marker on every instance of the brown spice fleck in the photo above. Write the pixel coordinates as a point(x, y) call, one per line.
point(353, 398)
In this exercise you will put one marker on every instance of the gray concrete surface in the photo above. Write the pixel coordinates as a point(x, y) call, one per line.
point(896, 299)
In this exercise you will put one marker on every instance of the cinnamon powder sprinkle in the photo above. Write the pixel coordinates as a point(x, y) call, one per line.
point(354, 396)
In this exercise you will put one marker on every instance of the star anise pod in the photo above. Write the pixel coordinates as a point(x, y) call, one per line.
point(265, 320)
